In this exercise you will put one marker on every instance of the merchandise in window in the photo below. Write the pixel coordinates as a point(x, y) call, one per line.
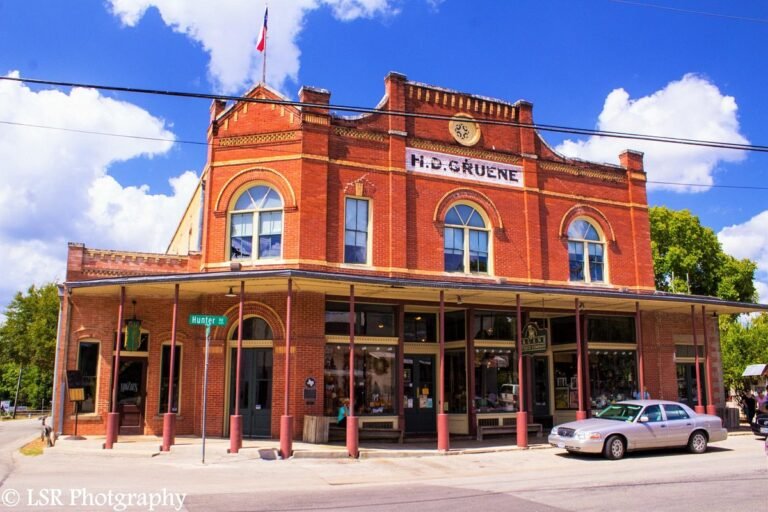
point(374, 379)
point(612, 376)
point(496, 384)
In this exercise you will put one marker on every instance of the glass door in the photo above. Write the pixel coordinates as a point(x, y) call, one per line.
point(420, 394)
point(131, 394)
point(541, 411)
point(255, 390)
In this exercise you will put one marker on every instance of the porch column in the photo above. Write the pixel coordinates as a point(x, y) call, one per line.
point(400, 364)
point(286, 420)
point(443, 437)
point(352, 431)
point(236, 419)
point(639, 342)
point(581, 414)
point(113, 418)
point(470, 369)
point(585, 354)
point(699, 407)
point(169, 418)
point(522, 416)
point(708, 362)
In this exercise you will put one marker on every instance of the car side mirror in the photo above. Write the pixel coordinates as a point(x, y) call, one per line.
point(644, 419)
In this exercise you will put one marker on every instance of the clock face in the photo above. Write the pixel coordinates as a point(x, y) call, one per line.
point(464, 129)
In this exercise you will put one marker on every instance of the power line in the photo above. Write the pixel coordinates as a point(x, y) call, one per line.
point(277, 150)
point(400, 113)
point(670, 140)
point(690, 11)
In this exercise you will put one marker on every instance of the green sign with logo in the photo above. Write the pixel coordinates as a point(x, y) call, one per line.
point(208, 320)
point(534, 339)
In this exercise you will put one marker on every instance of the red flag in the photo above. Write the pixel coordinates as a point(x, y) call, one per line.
point(261, 44)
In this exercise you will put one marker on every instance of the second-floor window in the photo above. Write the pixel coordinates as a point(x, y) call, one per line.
point(256, 218)
point(356, 231)
point(586, 251)
point(466, 240)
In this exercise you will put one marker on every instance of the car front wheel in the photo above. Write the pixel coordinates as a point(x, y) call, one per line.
point(697, 443)
point(614, 448)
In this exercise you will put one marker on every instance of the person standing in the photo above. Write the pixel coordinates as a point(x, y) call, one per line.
point(341, 419)
point(750, 405)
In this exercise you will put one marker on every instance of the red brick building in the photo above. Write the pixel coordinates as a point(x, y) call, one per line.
point(441, 222)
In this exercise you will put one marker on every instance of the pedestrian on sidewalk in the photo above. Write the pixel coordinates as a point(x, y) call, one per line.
point(749, 404)
point(341, 419)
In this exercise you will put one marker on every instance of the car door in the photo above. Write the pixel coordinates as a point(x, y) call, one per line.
point(679, 424)
point(654, 432)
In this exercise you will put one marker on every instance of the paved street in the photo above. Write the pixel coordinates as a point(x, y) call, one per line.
point(731, 476)
point(13, 434)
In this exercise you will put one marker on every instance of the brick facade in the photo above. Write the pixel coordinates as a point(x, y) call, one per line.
point(314, 160)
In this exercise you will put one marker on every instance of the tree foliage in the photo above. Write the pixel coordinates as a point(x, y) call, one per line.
point(28, 339)
point(743, 343)
point(688, 257)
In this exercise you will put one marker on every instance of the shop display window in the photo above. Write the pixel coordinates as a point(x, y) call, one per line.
point(420, 327)
point(612, 376)
point(494, 325)
point(375, 383)
point(370, 319)
point(496, 384)
point(456, 381)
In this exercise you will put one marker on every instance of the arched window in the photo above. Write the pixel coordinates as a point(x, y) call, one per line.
point(586, 253)
point(254, 328)
point(262, 207)
point(466, 240)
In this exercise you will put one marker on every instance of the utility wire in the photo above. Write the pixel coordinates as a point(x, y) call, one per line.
point(672, 140)
point(400, 113)
point(689, 11)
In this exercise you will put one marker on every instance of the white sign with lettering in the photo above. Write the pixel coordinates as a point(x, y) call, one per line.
point(443, 164)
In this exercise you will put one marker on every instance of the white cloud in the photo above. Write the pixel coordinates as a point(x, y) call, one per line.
point(228, 29)
point(750, 240)
point(55, 187)
point(691, 108)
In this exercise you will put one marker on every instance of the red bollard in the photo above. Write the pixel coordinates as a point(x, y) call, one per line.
point(169, 431)
point(113, 426)
point(235, 433)
point(522, 429)
point(286, 436)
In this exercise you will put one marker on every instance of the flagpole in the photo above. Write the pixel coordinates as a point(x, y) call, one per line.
point(264, 62)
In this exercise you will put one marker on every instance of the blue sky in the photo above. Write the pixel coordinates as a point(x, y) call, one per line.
point(619, 65)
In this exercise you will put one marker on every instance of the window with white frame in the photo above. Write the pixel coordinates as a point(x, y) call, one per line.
point(356, 231)
point(586, 252)
point(466, 240)
point(258, 212)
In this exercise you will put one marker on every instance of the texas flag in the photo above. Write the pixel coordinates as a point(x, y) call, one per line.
point(261, 44)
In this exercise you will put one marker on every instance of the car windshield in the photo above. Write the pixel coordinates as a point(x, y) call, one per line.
point(620, 412)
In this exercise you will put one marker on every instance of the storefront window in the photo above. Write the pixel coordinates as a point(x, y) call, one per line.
point(374, 379)
point(495, 381)
point(687, 392)
point(611, 329)
point(566, 396)
point(165, 369)
point(455, 326)
point(563, 330)
point(455, 382)
point(420, 327)
point(611, 376)
point(494, 325)
point(371, 319)
point(88, 364)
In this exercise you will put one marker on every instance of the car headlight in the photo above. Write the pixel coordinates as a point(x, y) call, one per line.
point(583, 436)
point(554, 431)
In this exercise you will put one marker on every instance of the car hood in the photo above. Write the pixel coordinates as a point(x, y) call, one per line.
point(593, 424)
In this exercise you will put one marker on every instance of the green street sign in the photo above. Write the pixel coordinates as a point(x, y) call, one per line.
point(208, 320)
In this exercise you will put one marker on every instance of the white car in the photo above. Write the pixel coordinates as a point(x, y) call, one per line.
point(638, 425)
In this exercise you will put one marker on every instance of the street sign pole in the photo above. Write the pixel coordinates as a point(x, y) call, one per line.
point(205, 381)
point(207, 321)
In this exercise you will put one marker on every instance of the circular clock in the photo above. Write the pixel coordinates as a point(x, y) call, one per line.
point(464, 129)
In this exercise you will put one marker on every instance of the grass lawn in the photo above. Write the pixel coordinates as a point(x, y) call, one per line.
point(33, 448)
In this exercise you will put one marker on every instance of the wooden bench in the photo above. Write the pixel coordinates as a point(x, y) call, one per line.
point(337, 433)
point(538, 428)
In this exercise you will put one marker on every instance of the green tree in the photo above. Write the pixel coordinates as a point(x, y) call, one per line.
point(742, 344)
point(28, 339)
point(688, 257)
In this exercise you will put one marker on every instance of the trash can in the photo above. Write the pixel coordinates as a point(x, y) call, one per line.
point(315, 429)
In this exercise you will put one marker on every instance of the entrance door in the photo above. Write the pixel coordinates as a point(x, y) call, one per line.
point(255, 390)
point(420, 394)
point(686, 384)
point(541, 412)
point(131, 394)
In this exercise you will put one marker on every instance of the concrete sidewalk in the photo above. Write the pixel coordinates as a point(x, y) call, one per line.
point(190, 448)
